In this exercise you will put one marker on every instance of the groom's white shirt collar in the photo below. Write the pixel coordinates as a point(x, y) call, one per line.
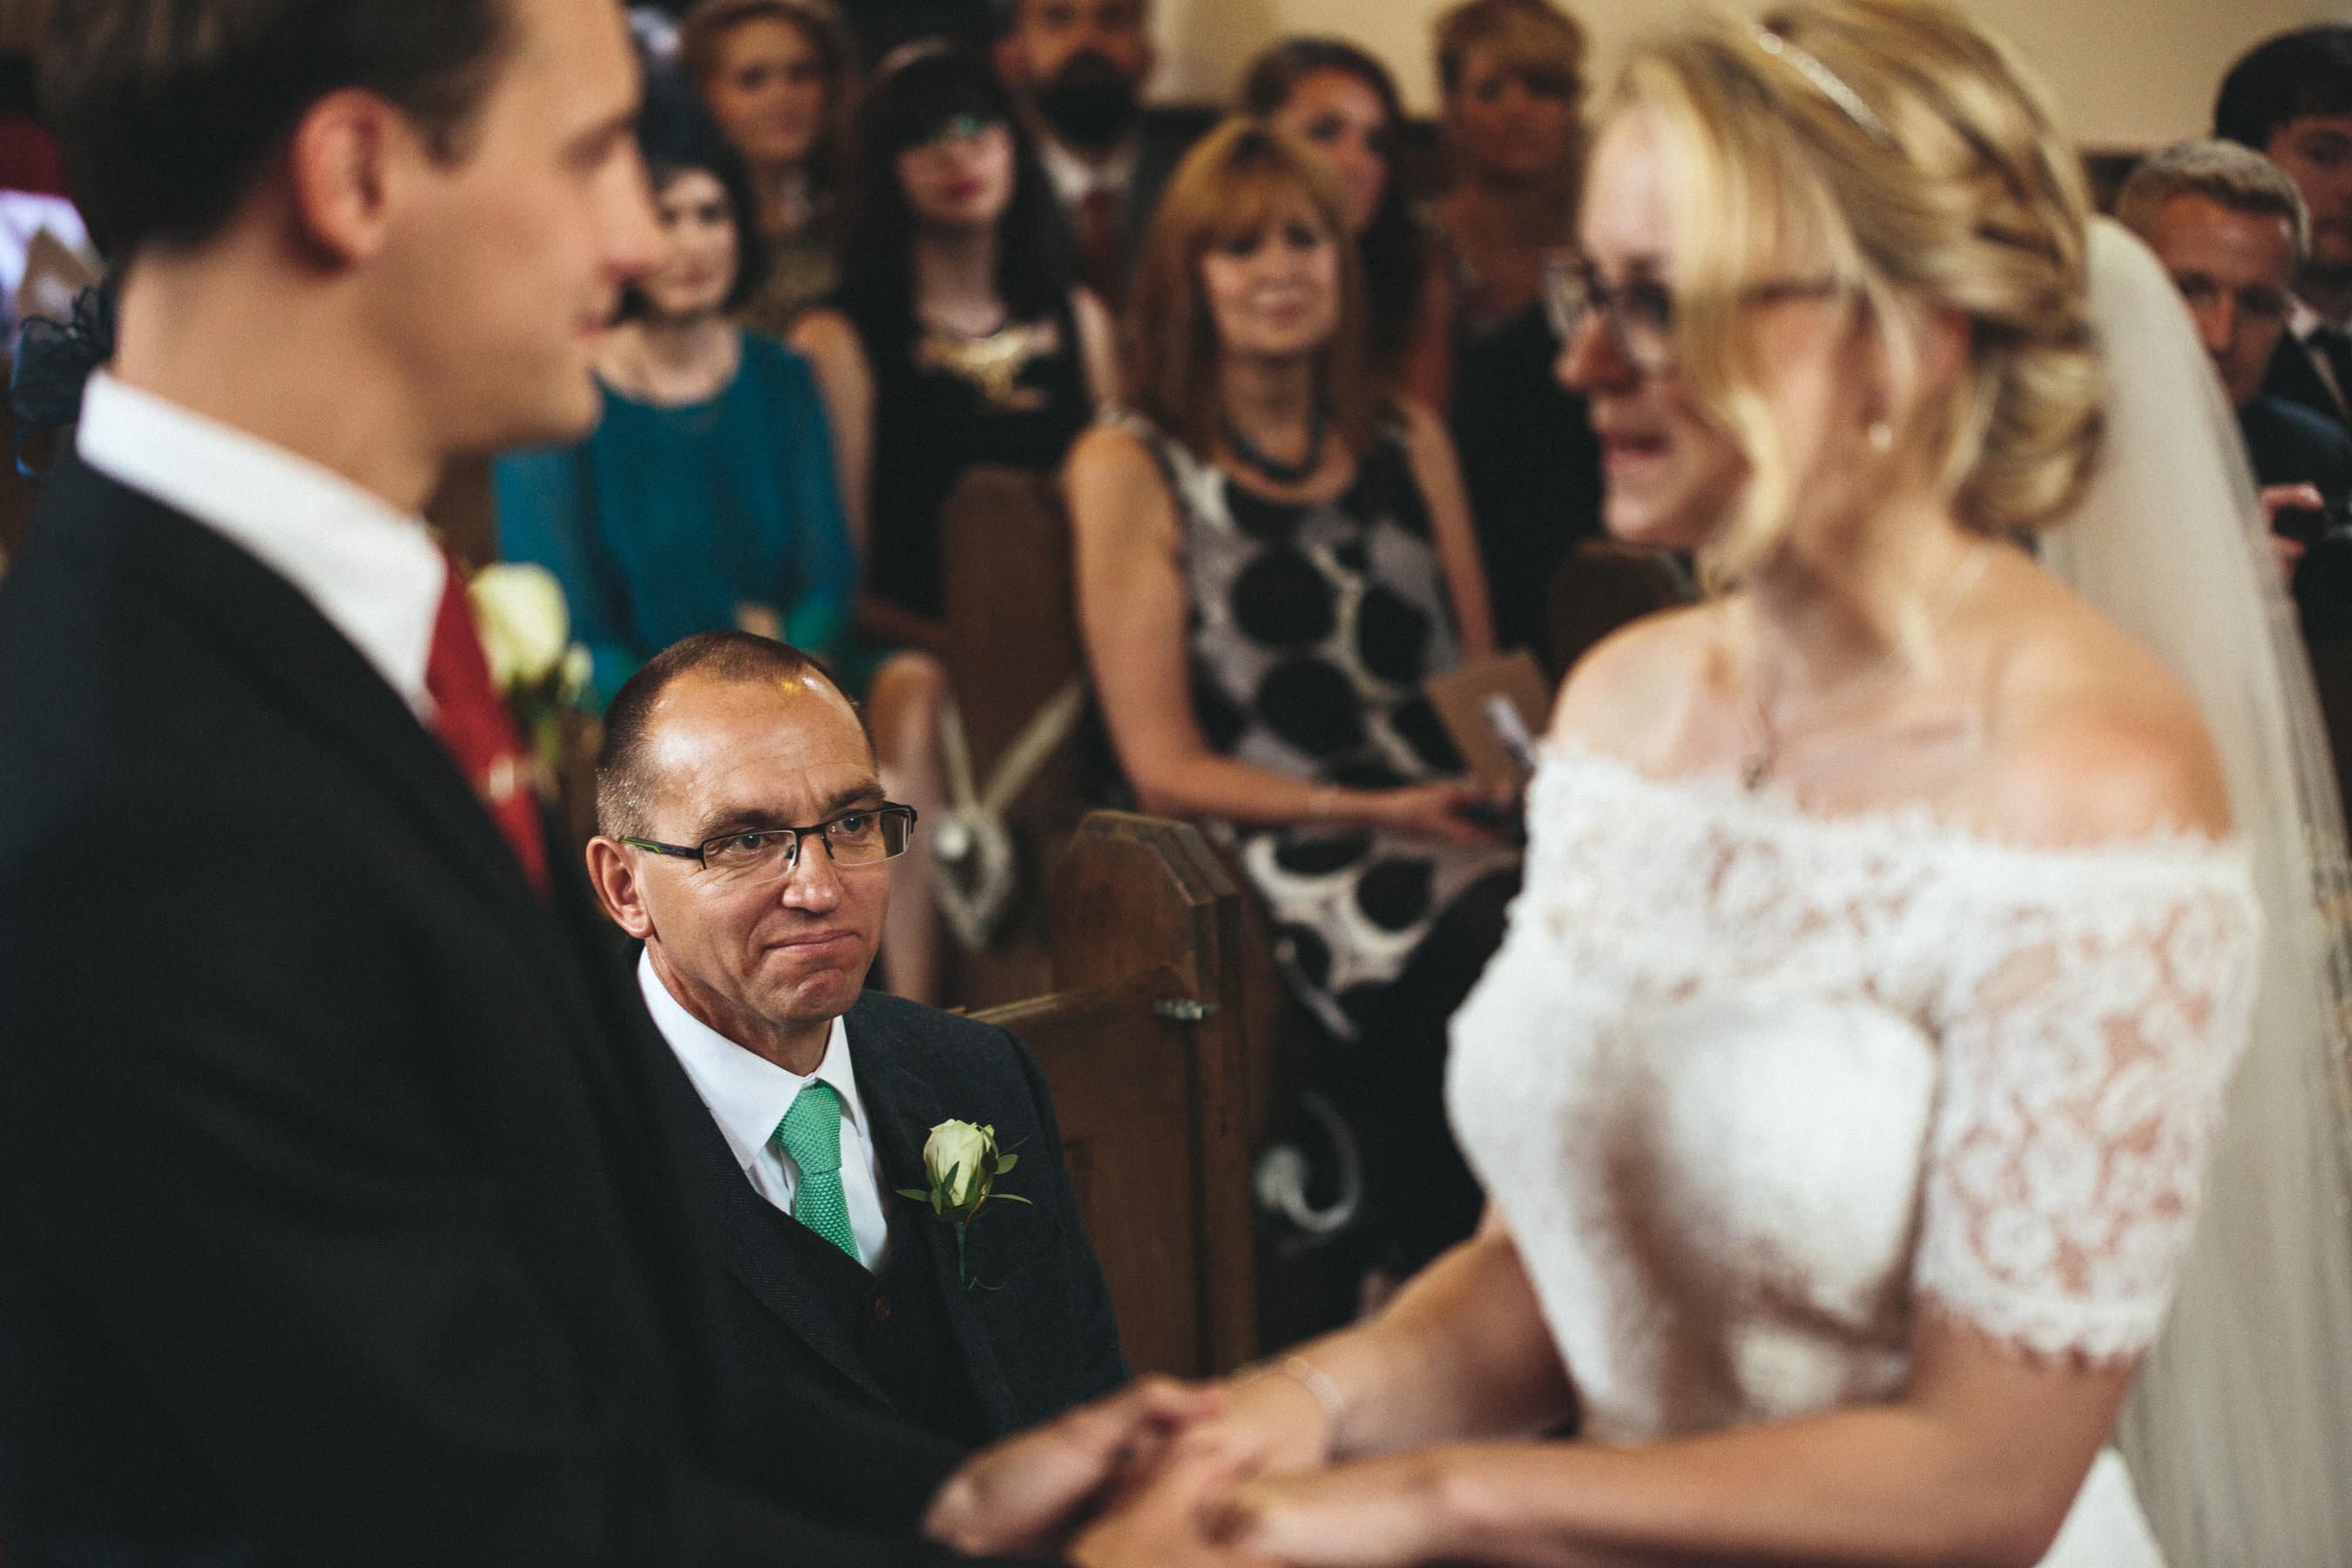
point(371, 568)
point(748, 1095)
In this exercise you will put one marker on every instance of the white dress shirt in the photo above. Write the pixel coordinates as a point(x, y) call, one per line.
point(748, 1095)
point(2301, 321)
point(371, 568)
point(1075, 178)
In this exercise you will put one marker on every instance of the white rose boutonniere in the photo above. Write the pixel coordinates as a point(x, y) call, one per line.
point(961, 1163)
point(526, 637)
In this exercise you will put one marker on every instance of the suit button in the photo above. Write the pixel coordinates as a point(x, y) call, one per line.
point(881, 1309)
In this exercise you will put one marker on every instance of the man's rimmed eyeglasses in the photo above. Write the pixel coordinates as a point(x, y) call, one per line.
point(857, 837)
point(1639, 315)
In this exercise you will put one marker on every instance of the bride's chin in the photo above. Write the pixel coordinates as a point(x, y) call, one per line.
point(1646, 525)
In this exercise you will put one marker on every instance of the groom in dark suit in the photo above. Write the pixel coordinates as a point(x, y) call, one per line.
point(746, 844)
point(343, 1219)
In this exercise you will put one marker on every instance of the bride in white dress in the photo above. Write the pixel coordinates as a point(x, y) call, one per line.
point(1845, 1087)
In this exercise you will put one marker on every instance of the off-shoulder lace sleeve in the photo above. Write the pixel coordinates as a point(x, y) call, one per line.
point(2086, 1044)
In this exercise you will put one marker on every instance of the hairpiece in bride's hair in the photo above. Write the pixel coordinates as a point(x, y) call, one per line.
point(1827, 82)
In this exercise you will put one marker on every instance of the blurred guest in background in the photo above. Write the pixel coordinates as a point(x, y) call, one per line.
point(2290, 98)
point(1079, 66)
point(1513, 75)
point(882, 25)
point(780, 77)
point(704, 497)
point(957, 339)
point(2229, 227)
point(1272, 557)
point(1340, 102)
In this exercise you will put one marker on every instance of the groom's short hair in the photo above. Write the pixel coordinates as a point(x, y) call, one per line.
point(168, 111)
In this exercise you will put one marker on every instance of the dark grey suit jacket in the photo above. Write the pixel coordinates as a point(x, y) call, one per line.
point(1033, 1332)
point(2293, 378)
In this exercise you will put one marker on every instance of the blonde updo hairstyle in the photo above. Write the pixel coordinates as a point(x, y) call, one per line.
point(1963, 199)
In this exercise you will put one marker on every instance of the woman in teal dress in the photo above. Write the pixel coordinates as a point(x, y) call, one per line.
point(706, 496)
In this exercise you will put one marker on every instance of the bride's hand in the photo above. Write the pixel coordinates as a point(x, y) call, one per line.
point(1028, 1494)
point(1270, 1424)
point(1376, 1514)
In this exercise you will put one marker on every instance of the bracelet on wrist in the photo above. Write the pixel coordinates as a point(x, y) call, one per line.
point(1317, 1382)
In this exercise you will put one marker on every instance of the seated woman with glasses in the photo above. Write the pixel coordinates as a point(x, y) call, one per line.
point(1271, 560)
point(958, 338)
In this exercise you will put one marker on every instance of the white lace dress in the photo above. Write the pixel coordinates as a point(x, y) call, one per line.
point(1753, 1088)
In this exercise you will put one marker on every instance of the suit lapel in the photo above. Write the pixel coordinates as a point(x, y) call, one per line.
point(903, 1108)
point(764, 1246)
point(287, 651)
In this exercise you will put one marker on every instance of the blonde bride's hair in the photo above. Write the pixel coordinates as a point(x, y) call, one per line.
point(1893, 145)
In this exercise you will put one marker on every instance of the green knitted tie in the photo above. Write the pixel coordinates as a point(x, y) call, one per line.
point(811, 1135)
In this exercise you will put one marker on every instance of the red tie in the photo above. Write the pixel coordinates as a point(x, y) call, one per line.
point(479, 732)
point(1099, 239)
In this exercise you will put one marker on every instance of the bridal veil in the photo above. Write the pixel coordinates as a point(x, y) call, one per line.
point(2239, 1432)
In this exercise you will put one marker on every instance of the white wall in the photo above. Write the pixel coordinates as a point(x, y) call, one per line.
point(2128, 73)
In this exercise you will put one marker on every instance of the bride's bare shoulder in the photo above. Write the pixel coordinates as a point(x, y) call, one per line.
point(2094, 738)
point(1633, 688)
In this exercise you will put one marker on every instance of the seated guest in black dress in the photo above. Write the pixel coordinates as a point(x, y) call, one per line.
point(1272, 557)
point(1512, 75)
point(2230, 229)
point(958, 339)
point(820, 1095)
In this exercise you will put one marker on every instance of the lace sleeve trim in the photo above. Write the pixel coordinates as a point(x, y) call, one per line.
point(2085, 1065)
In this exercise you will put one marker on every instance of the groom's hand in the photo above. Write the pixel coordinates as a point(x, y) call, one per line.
point(1157, 1524)
point(1028, 1494)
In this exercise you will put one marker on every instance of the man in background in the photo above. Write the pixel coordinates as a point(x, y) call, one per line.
point(2230, 228)
point(1078, 68)
point(2290, 98)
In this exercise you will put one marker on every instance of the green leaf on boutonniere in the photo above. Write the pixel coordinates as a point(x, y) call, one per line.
point(962, 1163)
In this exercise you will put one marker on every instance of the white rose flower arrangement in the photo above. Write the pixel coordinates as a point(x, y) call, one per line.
point(526, 637)
point(961, 1163)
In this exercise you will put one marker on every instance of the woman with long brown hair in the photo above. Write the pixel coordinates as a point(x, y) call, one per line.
point(1272, 557)
point(780, 76)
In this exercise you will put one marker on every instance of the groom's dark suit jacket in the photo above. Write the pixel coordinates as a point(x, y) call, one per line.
point(1018, 1329)
point(341, 1218)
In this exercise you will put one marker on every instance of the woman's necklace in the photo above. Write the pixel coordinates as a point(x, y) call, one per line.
point(1764, 753)
point(1319, 425)
point(991, 363)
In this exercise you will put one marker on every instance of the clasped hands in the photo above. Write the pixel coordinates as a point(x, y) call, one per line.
point(1167, 1475)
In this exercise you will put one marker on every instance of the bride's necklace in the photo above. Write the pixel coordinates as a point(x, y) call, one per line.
point(1763, 753)
point(1319, 425)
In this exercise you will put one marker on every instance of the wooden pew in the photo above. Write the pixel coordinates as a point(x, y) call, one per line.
point(1012, 645)
point(1152, 1042)
point(1600, 587)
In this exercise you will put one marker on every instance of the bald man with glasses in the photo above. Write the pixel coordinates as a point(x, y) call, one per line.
point(747, 845)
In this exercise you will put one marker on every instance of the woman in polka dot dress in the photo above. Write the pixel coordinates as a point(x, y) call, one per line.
point(1273, 554)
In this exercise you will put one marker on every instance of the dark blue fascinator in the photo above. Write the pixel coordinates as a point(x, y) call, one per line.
point(54, 359)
